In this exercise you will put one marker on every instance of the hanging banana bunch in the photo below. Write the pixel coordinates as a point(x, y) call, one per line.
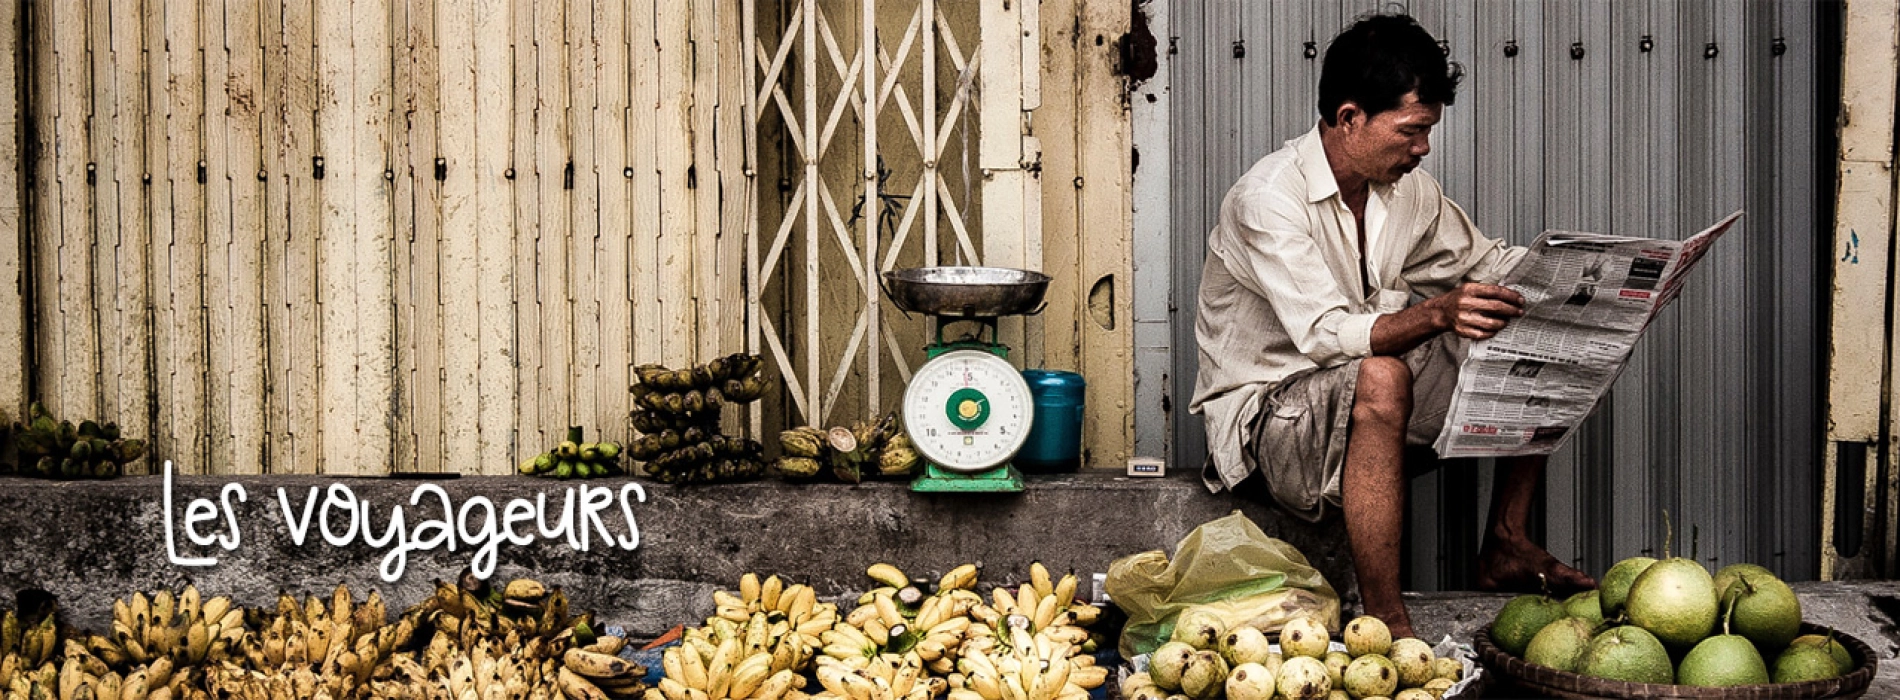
point(678, 415)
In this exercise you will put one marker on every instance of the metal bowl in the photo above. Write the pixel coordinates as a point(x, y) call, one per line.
point(978, 292)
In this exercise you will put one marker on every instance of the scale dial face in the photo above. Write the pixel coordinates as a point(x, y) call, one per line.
point(968, 410)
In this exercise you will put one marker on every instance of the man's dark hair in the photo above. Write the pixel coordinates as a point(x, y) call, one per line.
point(1379, 59)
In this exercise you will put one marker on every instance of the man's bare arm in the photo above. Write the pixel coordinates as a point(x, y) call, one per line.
point(1475, 311)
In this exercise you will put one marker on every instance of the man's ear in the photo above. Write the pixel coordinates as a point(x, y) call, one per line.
point(1346, 112)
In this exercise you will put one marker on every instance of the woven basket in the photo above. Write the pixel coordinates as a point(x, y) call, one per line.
point(1550, 682)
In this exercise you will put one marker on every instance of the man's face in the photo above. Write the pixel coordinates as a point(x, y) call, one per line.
point(1386, 146)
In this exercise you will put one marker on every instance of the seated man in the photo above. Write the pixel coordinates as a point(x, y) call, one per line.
point(1314, 370)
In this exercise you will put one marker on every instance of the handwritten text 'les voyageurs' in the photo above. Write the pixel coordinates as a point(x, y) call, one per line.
point(341, 518)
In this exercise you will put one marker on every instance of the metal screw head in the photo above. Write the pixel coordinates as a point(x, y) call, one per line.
point(1779, 47)
point(1646, 45)
point(1510, 49)
point(1240, 48)
point(1311, 50)
point(1444, 47)
point(1710, 51)
point(1576, 51)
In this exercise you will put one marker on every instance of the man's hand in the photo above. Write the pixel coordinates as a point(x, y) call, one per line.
point(1478, 311)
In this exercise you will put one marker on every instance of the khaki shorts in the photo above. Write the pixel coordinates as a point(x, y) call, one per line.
point(1299, 441)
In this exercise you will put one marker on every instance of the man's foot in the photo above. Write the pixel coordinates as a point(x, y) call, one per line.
point(1516, 568)
point(1398, 622)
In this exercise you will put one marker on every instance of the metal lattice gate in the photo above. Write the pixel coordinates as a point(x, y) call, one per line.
point(938, 174)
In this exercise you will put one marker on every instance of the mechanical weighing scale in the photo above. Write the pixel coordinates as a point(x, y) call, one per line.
point(967, 409)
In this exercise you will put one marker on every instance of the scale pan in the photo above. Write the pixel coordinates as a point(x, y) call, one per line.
point(976, 292)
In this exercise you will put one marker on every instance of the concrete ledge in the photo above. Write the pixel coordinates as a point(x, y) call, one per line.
point(90, 542)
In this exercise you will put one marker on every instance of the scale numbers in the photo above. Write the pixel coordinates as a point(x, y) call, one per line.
point(968, 410)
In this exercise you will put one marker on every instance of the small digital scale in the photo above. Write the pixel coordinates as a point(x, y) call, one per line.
point(967, 409)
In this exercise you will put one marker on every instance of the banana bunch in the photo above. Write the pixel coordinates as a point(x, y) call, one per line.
point(702, 389)
point(849, 451)
point(80, 674)
point(678, 416)
point(28, 645)
point(575, 458)
point(182, 629)
point(524, 609)
point(756, 646)
point(56, 449)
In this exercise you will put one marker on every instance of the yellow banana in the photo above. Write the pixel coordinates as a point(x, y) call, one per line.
point(887, 611)
point(727, 600)
point(802, 604)
point(576, 687)
point(749, 676)
point(189, 603)
point(595, 664)
point(961, 577)
point(693, 670)
point(1026, 600)
point(929, 613)
point(1039, 579)
point(1065, 590)
point(775, 686)
point(1045, 611)
point(1089, 677)
point(769, 592)
point(888, 575)
point(965, 694)
point(749, 590)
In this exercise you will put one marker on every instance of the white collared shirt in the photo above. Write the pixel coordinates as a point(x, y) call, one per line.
point(1280, 291)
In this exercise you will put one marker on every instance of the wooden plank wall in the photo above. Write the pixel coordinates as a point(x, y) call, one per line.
point(356, 236)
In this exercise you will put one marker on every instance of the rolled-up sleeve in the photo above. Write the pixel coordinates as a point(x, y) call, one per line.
point(1269, 249)
point(1453, 251)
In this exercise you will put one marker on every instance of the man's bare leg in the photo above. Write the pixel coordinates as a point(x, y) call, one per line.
point(1373, 486)
point(1509, 560)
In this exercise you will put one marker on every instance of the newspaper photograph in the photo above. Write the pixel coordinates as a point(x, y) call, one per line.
point(1587, 299)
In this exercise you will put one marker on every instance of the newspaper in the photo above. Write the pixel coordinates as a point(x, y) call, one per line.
point(1587, 298)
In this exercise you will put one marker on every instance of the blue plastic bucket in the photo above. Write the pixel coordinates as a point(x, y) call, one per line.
point(1055, 438)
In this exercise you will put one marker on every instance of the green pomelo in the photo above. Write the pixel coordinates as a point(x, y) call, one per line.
point(1371, 675)
point(1727, 575)
point(1415, 694)
point(1338, 694)
point(1245, 644)
point(1413, 659)
point(1560, 644)
point(1168, 662)
point(1766, 610)
point(1437, 687)
point(1586, 605)
point(1721, 661)
point(1336, 662)
point(1615, 588)
point(1805, 662)
point(1675, 600)
point(1842, 659)
point(1367, 635)
point(1303, 678)
point(1627, 654)
point(1305, 636)
point(1521, 619)
point(1250, 681)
